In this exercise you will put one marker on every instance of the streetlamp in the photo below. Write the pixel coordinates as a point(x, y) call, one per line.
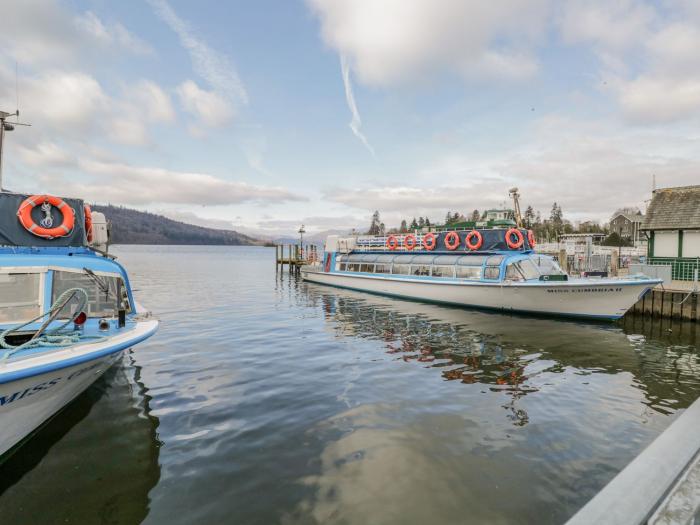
point(302, 231)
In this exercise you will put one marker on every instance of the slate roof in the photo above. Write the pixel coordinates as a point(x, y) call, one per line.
point(632, 217)
point(674, 209)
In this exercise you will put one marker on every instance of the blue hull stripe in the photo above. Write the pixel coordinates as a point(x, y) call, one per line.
point(65, 363)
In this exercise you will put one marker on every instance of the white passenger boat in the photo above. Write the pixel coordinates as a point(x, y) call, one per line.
point(495, 269)
point(67, 311)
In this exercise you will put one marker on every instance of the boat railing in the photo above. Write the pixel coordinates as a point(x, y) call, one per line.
point(369, 243)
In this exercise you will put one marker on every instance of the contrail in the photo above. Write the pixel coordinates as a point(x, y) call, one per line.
point(212, 66)
point(356, 122)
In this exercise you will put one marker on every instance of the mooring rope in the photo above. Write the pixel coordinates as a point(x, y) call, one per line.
point(56, 337)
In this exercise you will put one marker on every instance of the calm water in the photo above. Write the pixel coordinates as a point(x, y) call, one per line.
point(268, 400)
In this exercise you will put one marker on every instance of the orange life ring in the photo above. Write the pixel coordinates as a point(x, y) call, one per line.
point(531, 238)
point(479, 240)
point(409, 242)
point(88, 222)
point(392, 242)
point(519, 239)
point(24, 212)
point(452, 240)
point(429, 241)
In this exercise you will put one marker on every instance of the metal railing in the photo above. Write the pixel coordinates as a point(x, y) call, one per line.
point(682, 269)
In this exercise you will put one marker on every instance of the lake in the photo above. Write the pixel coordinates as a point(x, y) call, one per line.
point(264, 399)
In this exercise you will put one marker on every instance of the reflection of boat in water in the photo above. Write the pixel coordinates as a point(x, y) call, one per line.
point(492, 269)
point(106, 440)
point(507, 352)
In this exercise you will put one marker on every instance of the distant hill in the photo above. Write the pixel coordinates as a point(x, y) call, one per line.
point(138, 227)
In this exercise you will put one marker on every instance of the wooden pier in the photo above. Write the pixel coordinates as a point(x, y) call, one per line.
point(670, 304)
point(294, 256)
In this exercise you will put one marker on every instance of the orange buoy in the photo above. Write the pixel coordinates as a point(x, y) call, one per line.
point(452, 240)
point(519, 239)
point(88, 222)
point(24, 212)
point(531, 238)
point(474, 245)
point(409, 242)
point(392, 242)
point(429, 241)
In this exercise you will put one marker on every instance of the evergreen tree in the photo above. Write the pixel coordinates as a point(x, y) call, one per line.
point(556, 216)
point(448, 218)
point(529, 217)
point(476, 216)
point(427, 222)
point(374, 227)
point(421, 222)
point(414, 224)
point(404, 227)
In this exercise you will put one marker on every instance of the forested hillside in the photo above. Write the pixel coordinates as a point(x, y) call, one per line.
point(136, 227)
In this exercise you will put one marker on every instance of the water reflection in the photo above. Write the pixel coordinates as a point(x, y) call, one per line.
point(507, 353)
point(95, 462)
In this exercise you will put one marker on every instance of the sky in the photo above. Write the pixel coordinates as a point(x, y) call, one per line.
point(260, 116)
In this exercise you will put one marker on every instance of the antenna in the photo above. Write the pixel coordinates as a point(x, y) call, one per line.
point(7, 126)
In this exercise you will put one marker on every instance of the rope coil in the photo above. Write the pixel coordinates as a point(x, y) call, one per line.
point(56, 337)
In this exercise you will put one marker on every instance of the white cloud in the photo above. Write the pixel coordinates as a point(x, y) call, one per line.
point(139, 185)
point(108, 36)
point(356, 121)
point(150, 99)
point(208, 106)
point(392, 41)
point(212, 66)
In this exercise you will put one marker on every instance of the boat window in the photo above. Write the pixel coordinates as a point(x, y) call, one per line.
point(19, 296)
point(423, 259)
point(471, 260)
point(366, 267)
point(528, 269)
point(101, 291)
point(513, 272)
point(401, 269)
point(443, 271)
point(468, 272)
point(492, 272)
point(546, 265)
point(420, 269)
point(382, 268)
point(494, 260)
point(343, 267)
point(353, 267)
point(446, 259)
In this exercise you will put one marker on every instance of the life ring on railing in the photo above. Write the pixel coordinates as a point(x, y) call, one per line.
point(429, 241)
point(519, 239)
point(531, 238)
point(43, 229)
point(392, 242)
point(477, 244)
point(88, 222)
point(409, 242)
point(452, 240)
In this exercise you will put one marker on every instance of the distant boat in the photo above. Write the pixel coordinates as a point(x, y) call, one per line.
point(67, 311)
point(493, 268)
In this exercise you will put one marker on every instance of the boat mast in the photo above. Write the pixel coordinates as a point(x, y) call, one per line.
point(516, 206)
point(6, 126)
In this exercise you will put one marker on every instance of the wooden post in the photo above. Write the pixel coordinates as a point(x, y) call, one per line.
point(563, 262)
point(614, 262)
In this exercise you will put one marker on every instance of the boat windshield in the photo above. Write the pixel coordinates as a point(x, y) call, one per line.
point(102, 291)
point(19, 297)
point(547, 265)
point(522, 270)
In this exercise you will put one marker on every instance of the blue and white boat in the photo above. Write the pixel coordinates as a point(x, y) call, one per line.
point(495, 269)
point(67, 311)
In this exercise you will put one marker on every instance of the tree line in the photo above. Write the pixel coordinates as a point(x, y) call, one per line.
point(546, 229)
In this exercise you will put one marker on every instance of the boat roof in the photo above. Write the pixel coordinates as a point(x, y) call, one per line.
point(59, 257)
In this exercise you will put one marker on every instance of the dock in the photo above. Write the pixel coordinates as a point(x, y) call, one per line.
point(294, 256)
point(669, 304)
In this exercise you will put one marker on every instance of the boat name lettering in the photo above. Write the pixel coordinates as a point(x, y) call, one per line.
point(21, 394)
point(584, 290)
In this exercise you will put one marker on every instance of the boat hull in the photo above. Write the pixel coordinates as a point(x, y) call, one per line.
point(604, 299)
point(33, 390)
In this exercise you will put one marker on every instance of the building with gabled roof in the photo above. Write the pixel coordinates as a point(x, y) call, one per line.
point(672, 224)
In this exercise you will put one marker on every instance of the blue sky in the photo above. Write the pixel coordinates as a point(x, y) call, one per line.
point(262, 115)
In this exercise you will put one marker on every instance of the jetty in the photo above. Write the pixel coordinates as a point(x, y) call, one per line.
point(294, 256)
